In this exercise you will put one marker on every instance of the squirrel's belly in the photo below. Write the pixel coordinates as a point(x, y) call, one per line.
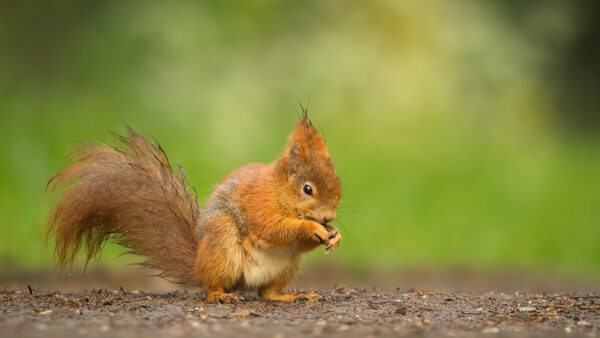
point(266, 265)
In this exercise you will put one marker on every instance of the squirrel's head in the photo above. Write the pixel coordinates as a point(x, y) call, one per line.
point(312, 190)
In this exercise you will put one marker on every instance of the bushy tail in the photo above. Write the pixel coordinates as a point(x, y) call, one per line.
point(129, 193)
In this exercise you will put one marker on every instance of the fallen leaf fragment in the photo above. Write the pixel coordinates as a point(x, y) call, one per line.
point(338, 288)
point(590, 307)
point(559, 306)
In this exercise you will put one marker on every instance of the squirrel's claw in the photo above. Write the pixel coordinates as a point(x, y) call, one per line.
point(219, 297)
point(334, 239)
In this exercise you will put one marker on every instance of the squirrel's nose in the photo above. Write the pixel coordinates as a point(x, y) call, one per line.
point(328, 218)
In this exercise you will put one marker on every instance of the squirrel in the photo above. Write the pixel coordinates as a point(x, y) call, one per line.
point(250, 233)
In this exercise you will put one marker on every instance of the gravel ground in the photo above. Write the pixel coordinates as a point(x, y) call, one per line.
point(341, 312)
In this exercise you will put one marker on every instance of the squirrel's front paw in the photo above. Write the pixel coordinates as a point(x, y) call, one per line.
point(320, 233)
point(334, 238)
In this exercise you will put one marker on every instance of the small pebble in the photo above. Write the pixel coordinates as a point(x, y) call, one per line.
point(527, 309)
point(197, 325)
point(401, 310)
point(344, 327)
point(583, 323)
point(317, 330)
point(490, 330)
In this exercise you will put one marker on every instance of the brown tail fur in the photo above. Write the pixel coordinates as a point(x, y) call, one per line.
point(129, 193)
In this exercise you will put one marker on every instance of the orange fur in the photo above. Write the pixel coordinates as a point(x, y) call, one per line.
point(250, 233)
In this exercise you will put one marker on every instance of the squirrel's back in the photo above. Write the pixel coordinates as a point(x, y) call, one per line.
point(228, 194)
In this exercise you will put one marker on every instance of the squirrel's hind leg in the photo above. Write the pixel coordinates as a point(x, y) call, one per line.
point(218, 262)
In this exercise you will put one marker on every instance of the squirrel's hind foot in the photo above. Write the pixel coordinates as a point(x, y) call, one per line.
point(290, 297)
point(222, 297)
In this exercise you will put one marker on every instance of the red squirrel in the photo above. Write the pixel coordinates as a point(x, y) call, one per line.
point(250, 233)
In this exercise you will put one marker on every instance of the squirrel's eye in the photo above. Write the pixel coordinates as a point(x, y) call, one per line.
point(307, 189)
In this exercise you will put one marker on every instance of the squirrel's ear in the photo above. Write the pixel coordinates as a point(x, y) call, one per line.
point(294, 158)
point(298, 148)
point(308, 138)
point(304, 141)
point(317, 143)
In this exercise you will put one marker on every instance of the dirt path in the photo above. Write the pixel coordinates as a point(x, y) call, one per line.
point(341, 312)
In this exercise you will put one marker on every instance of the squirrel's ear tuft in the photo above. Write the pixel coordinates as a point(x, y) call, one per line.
point(308, 138)
point(304, 116)
point(303, 142)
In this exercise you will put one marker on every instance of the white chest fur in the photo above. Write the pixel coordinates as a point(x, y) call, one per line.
point(265, 265)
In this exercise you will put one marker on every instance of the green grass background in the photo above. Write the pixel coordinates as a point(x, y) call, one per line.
point(440, 118)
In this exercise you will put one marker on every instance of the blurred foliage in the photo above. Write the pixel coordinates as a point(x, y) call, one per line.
point(465, 133)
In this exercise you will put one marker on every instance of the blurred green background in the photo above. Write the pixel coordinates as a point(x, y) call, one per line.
point(465, 133)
